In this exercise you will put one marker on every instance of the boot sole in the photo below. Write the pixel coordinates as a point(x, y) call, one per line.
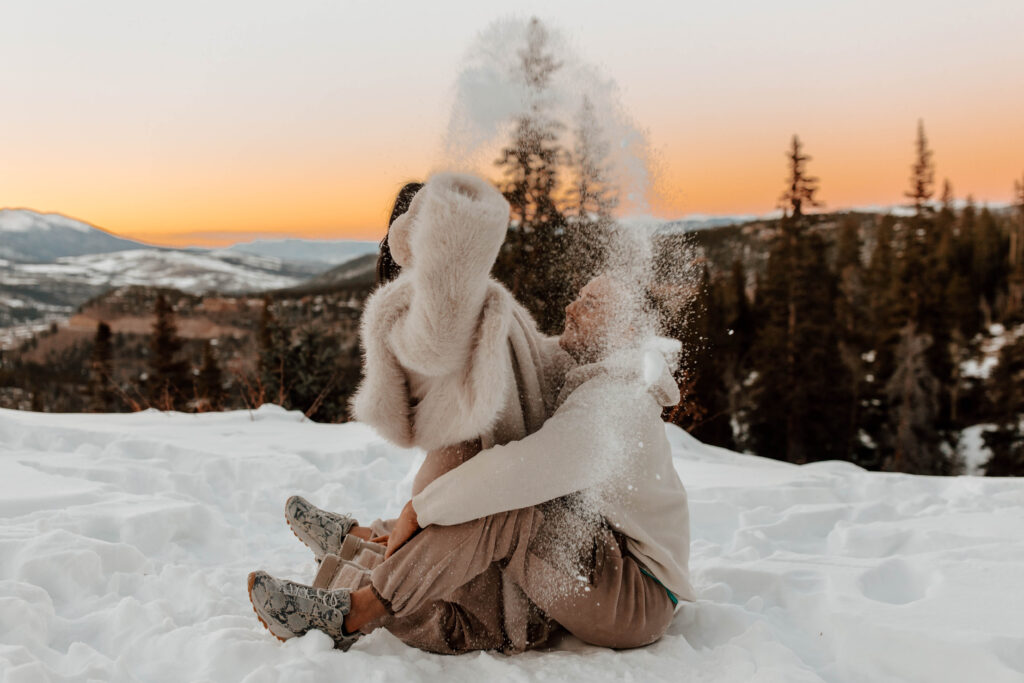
point(250, 581)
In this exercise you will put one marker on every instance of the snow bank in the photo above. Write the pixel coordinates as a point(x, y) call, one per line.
point(125, 541)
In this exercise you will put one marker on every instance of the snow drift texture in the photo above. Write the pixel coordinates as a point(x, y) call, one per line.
point(125, 541)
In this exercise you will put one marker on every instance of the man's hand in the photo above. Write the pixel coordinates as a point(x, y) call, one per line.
point(406, 526)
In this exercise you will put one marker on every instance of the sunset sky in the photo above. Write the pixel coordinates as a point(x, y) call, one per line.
point(211, 122)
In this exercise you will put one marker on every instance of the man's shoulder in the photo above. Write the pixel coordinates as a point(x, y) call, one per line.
point(609, 383)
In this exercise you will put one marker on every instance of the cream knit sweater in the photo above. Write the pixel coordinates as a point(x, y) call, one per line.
point(606, 437)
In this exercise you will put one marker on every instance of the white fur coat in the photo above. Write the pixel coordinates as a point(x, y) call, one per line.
point(481, 367)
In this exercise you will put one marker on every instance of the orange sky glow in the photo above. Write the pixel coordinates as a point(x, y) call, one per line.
point(278, 125)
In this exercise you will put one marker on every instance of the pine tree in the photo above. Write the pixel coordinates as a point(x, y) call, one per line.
point(593, 193)
point(922, 173)
point(530, 262)
point(914, 396)
point(210, 383)
point(732, 353)
point(800, 410)
point(800, 186)
point(590, 201)
point(919, 242)
point(819, 419)
point(885, 321)
point(273, 372)
point(924, 276)
point(800, 395)
point(700, 327)
point(772, 386)
point(1015, 302)
point(319, 377)
point(102, 370)
point(168, 378)
point(1006, 388)
point(740, 321)
point(945, 220)
point(855, 340)
point(989, 259)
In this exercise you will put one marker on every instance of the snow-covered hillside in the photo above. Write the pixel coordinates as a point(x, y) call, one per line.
point(187, 271)
point(33, 291)
point(125, 541)
point(50, 264)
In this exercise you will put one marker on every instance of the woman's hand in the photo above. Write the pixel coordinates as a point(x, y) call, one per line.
point(406, 526)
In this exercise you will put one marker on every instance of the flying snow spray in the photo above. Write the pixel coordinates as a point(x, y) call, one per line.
point(523, 77)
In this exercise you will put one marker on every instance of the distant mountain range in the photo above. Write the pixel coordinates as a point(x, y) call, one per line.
point(359, 272)
point(50, 264)
point(31, 237)
point(333, 252)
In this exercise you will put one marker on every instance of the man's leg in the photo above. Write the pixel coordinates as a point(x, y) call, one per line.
point(468, 620)
point(437, 562)
point(617, 606)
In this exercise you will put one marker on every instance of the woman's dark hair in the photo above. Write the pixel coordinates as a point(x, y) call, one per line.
point(387, 269)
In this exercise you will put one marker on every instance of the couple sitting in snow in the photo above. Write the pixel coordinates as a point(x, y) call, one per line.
point(547, 499)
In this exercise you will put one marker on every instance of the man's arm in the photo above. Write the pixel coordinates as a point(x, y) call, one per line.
point(574, 450)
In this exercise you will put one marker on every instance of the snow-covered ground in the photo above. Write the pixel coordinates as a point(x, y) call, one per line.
point(125, 541)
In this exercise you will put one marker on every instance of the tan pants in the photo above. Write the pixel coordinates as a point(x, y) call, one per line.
point(613, 605)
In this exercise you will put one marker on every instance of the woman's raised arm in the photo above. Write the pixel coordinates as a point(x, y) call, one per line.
point(446, 243)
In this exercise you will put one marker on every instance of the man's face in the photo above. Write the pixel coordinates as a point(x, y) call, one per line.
point(598, 317)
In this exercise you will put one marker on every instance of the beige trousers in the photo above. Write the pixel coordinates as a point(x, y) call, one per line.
point(443, 588)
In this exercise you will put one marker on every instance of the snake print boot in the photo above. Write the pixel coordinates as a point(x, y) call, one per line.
point(322, 531)
point(290, 609)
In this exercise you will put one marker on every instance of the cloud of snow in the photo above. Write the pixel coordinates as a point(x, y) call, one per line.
point(488, 96)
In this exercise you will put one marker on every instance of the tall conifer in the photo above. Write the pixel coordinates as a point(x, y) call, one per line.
point(531, 261)
point(102, 369)
point(1015, 302)
point(210, 382)
point(1006, 389)
point(914, 397)
point(922, 173)
point(169, 383)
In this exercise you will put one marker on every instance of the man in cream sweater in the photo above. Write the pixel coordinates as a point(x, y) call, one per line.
point(587, 516)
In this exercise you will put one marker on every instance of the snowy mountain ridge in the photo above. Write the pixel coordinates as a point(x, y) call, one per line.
point(30, 236)
point(49, 264)
point(193, 273)
point(26, 220)
point(35, 237)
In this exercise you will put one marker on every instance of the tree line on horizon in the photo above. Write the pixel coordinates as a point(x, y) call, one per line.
point(848, 346)
point(856, 350)
point(848, 340)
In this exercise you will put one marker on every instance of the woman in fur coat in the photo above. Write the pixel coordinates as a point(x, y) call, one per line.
point(452, 364)
point(449, 355)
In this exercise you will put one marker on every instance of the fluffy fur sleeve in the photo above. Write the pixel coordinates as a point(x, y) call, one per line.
point(447, 243)
point(460, 405)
